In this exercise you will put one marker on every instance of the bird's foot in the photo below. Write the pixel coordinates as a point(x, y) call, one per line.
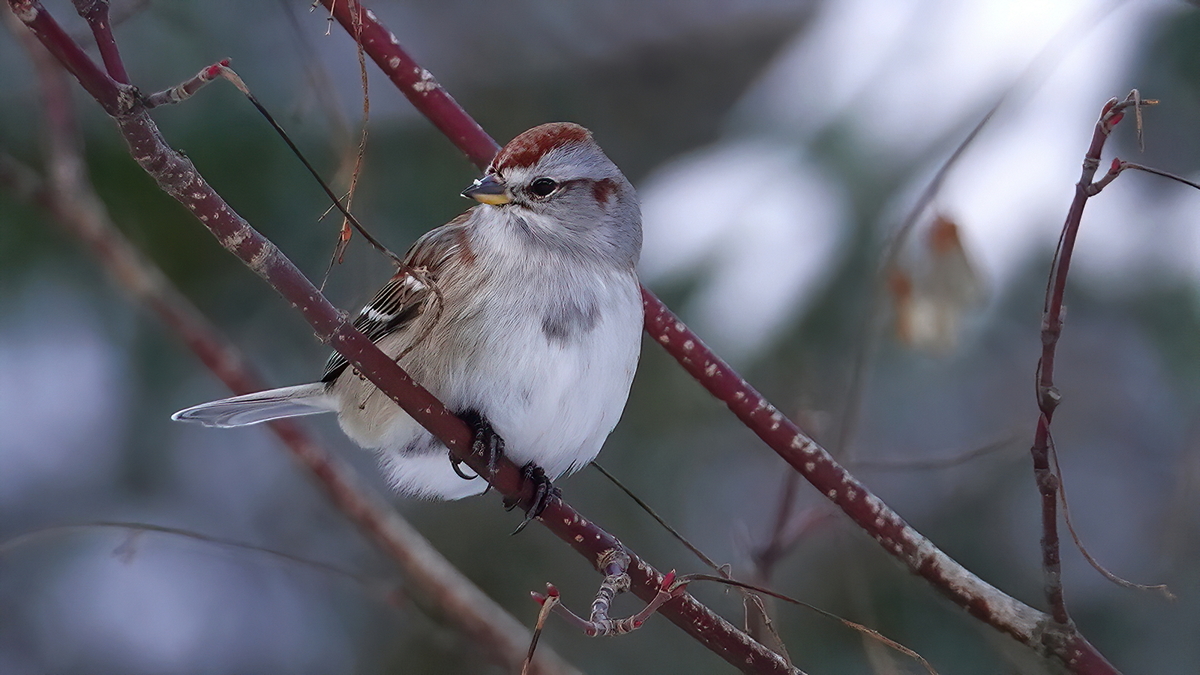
point(485, 443)
point(543, 492)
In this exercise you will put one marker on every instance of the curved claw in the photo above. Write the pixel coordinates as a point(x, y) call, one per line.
point(486, 443)
point(544, 491)
point(455, 463)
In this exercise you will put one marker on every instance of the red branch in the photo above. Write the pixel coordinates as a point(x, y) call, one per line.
point(177, 177)
point(95, 12)
point(1048, 396)
point(982, 600)
point(416, 83)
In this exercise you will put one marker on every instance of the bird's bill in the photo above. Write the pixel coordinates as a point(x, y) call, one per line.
point(488, 190)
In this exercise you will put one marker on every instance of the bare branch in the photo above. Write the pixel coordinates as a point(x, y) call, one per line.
point(183, 91)
point(1160, 172)
point(133, 530)
point(95, 12)
point(945, 462)
point(1096, 565)
point(1048, 396)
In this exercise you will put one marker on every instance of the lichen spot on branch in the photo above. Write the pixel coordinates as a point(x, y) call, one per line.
point(266, 258)
point(25, 11)
point(235, 238)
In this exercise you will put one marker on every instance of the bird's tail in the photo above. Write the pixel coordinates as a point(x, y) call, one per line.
point(262, 406)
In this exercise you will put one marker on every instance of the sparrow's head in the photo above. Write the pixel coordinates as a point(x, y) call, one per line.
point(565, 191)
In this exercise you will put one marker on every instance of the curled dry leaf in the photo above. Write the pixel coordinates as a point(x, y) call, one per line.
point(933, 292)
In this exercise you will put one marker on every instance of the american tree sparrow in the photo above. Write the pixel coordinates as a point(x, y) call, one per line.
point(523, 315)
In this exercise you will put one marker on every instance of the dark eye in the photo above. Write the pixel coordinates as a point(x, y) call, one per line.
point(542, 187)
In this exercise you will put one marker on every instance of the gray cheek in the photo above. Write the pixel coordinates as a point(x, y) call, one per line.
point(566, 322)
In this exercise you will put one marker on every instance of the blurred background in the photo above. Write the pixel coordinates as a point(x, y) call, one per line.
point(777, 146)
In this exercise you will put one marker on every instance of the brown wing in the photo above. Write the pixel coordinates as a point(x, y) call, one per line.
point(406, 295)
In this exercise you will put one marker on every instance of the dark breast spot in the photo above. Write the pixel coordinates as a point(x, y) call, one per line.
point(567, 322)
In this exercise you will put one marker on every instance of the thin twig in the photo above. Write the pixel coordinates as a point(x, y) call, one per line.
point(946, 462)
point(343, 239)
point(1160, 172)
point(1104, 571)
point(873, 332)
point(95, 12)
point(544, 613)
point(864, 630)
point(183, 91)
point(599, 625)
point(659, 519)
point(749, 599)
point(1047, 394)
point(133, 529)
point(237, 81)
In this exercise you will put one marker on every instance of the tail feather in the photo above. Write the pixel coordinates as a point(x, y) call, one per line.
point(262, 406)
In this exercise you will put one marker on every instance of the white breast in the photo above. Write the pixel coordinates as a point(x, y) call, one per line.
point(553, 399)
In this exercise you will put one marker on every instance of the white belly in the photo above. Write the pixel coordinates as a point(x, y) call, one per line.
point(564, 399)
point(554, 401)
